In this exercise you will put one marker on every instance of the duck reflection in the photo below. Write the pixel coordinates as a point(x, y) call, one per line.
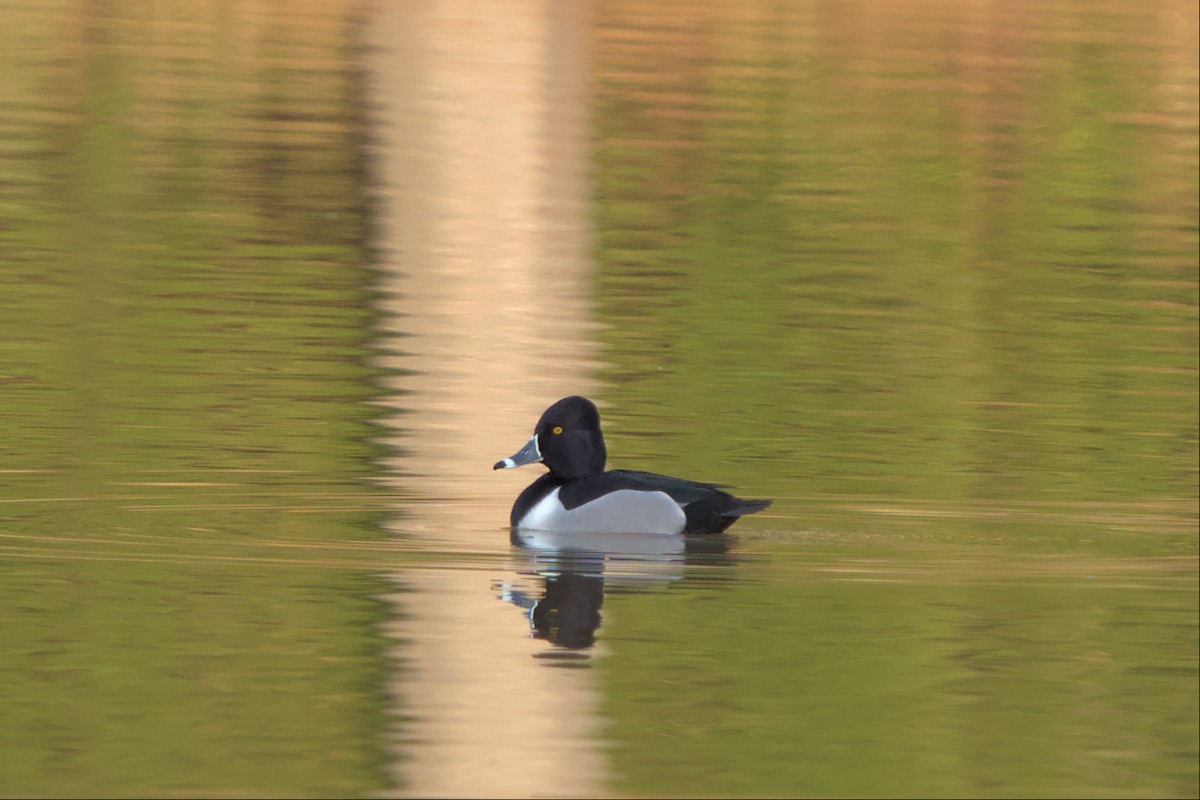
point(576, 569)
point(568, 611)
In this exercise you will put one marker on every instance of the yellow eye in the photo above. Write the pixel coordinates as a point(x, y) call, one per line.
point(556, 430)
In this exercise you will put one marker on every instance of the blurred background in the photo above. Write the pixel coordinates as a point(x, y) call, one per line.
point(279, 282)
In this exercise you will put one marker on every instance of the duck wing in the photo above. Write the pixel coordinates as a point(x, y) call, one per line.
point(708, 509)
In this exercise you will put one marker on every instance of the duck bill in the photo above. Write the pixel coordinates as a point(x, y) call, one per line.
point(528, 454)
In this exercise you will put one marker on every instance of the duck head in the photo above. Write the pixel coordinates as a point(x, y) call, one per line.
point(567, 440)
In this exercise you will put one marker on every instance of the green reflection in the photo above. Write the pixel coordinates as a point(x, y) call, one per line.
point(934, 276)
point(186, 514)
point(911, 678)
point(914, 262)
point(178, 678)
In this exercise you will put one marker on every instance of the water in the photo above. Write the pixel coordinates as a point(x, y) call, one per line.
point(278, 286)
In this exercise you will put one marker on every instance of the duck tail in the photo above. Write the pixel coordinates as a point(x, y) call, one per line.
point(745, 507)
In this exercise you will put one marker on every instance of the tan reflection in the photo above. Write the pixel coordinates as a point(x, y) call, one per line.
point(480, 156)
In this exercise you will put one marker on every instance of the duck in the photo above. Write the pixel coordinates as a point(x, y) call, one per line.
point(577, 494)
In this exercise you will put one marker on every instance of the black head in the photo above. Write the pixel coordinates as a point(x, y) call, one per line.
point(567, 440)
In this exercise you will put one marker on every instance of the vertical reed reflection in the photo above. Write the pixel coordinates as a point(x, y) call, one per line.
point(479, 161)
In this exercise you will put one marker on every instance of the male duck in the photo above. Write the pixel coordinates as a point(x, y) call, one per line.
point(578, 496)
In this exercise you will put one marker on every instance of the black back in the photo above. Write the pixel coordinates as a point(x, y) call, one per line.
point(708, 509)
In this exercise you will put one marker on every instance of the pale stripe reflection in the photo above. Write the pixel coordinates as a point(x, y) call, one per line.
point(479, 119)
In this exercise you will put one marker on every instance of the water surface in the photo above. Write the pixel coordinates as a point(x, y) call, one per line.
point(279, 284)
